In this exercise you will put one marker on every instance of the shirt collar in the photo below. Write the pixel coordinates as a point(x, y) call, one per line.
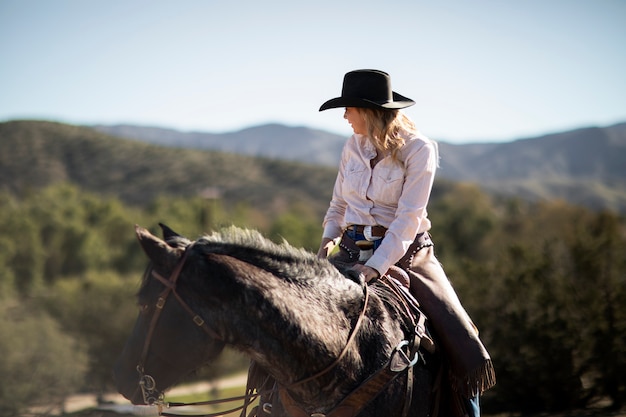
point(368, 147)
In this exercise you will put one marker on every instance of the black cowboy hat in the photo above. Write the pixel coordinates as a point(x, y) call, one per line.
point(368, 88)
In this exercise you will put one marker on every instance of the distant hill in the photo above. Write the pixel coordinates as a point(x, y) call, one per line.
point(35, 154)
point(300, 144)
point(584, 166)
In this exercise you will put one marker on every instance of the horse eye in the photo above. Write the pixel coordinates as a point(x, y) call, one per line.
point(143, 308)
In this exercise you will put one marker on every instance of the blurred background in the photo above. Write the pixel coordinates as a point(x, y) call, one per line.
point(483, 70)
point(203, 114)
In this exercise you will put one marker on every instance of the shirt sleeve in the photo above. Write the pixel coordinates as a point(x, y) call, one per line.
point(334, 218)
point(420, 166)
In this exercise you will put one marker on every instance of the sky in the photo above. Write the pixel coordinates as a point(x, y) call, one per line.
point(478, 70)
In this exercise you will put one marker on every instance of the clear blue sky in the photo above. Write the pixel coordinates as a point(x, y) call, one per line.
point(479, 70)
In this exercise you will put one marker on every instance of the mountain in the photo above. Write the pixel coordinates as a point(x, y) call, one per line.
point(583, 166)
point(590, 153)
point(277, 141)
point(36, 154)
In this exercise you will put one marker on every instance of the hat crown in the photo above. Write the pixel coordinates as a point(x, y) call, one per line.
point(370, 85)
point(368, 88)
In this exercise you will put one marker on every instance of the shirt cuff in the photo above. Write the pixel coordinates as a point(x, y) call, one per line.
point(381, 265)
point(332, 231)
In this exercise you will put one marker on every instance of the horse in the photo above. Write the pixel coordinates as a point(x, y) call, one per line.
point(334, 345)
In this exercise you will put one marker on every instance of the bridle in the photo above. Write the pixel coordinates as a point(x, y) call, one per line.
point(151, 395)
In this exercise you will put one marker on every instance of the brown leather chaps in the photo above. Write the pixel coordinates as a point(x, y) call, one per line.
point(470, 370)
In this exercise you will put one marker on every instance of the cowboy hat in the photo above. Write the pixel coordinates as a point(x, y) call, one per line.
point(368, 88)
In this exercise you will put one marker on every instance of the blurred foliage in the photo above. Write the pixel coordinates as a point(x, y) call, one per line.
point(39, 363)
point(97, 309)
point(74, 256)
point(544, 282)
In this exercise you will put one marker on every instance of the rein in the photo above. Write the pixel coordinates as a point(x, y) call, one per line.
point(345, 348)
point(399, 363)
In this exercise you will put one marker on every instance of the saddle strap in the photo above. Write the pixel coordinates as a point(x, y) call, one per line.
point(354, 403)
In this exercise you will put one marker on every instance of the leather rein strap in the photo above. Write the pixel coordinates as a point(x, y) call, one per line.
point(354, 402)
point(353, 333)
point(398, 363)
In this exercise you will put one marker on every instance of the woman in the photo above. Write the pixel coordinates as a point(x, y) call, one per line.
point(378, 211)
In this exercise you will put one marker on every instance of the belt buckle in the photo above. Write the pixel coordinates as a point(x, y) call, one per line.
point(367, 232)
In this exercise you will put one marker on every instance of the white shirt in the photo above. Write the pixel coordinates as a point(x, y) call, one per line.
point(394, 194)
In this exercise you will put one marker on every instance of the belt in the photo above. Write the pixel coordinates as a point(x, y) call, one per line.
point(375, 231)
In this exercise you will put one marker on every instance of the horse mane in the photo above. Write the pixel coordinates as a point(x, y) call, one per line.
point(295, 265)
point(282, 260)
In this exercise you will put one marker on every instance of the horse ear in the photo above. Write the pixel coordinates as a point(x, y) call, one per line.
point(167, 232)
point(157, 250)
point(172, 238)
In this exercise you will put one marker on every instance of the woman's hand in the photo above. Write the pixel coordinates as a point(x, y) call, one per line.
point(368, 272)
point(326, 248)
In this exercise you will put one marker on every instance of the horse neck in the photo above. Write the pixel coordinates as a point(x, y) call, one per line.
point(293, 328)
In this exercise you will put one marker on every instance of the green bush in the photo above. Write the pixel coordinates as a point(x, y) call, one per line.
point(98, 311)
point(547, 301)
point(39, 363)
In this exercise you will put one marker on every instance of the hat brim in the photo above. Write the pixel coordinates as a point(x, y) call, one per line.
point(399, 102)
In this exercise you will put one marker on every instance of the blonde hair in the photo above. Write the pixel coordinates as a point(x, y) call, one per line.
point(384, 128)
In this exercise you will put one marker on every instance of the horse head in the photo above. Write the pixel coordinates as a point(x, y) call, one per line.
point(168, 340)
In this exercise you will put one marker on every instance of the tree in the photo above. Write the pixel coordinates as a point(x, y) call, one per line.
point(297, 228)
point(599, 286)
point(98, 311)
point(548, 304)
point(24, 258)
point(39, 363)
